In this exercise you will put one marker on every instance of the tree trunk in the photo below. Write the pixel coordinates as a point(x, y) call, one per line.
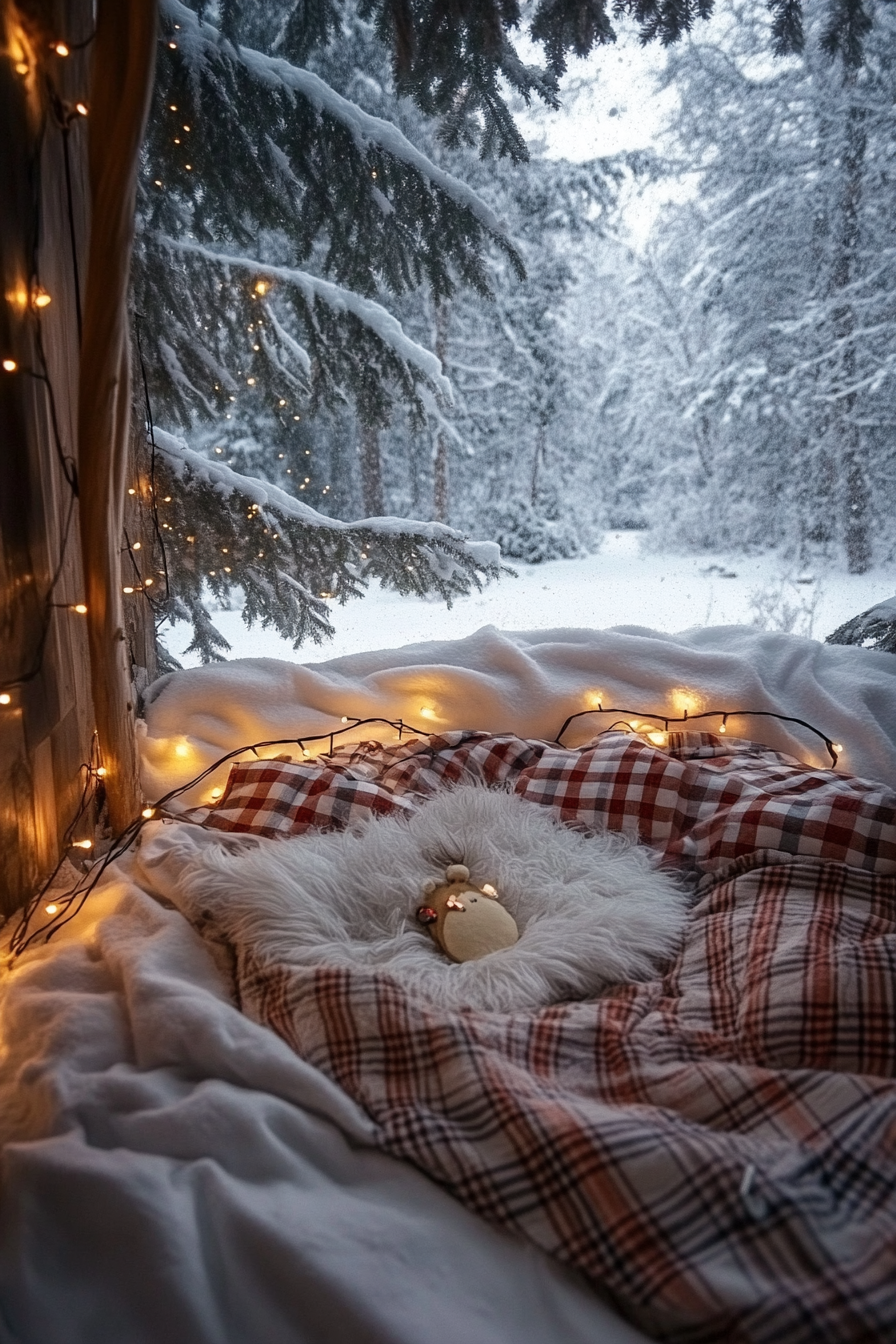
point(371, 472)
point(440, 485)
point(123, 64)
point(541, 443)
point(856, 492)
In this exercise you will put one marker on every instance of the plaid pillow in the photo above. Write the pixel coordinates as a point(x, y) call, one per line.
point(280, 798)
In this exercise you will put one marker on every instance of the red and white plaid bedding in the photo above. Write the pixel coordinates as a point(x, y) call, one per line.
point(716, 1148)
point(703, 800)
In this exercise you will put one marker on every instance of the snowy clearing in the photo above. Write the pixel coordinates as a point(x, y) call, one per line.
point(624, 584)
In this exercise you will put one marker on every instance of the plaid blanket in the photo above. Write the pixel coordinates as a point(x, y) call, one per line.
point(716, 1148)
point(702, 800)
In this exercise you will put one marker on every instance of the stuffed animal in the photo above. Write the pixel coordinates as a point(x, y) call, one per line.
point(465, 921)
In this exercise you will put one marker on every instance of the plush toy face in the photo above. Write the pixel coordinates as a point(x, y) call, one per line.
point(466, 922)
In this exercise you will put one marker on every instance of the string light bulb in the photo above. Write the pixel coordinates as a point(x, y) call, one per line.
point(22, 67)
point(60, 48)
point(5, 698)
point(82, 844)
point(127, 589)
point(82, 109)
point(136, 546)
point(262, 287)
point(80, 608)
point(10, 365)
point(51, 908)
point(216, 793)
point(147, 813)
point(838, 747)
point(40, 298)
point(101, 772)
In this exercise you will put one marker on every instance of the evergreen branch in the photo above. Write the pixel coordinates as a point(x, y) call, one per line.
point(226, 532)
point(201, 41)
point(314, 291)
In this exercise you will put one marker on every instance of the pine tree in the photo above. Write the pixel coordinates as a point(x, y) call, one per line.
point(275, 215)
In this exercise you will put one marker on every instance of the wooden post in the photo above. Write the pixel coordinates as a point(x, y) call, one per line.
point(47, 717)
point(123, 64)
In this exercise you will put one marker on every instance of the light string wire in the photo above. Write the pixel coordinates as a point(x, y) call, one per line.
point(153, 496)
point(70, 904)
point(723, 714)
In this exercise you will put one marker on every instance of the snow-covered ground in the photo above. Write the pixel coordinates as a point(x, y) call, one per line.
point(624, 584)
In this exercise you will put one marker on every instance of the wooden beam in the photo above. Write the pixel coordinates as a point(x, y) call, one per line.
point(123, 65)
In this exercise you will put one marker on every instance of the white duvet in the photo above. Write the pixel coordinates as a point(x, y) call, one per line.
point(172, 1173)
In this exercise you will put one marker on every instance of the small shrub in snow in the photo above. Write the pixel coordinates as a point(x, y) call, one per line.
point(525, 535)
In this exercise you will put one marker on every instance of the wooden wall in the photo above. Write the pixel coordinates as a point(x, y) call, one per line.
point(47, 727)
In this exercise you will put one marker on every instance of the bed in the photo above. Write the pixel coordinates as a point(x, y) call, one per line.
point(204, 1145)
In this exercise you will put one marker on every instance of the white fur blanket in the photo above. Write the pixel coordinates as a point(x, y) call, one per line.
point(591, 911)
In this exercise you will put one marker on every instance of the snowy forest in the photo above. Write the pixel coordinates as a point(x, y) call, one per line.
point(379, 331)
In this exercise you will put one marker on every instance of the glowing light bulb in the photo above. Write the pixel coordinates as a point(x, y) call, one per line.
point(489, 889)
point(262, 286)
point(5, 699)
point(40, 298)
point(148, 812)
point(60, 48)
point(101, 772)
point(251, 382)
point(132, 491)
point(83, 844)
point(344, 717)
point(80, 608)
point(51, 909)
point(306, 753)
point(10, 365)
point(137, 545)
point(838, 747)
point(172, 46)
point(427, 713)
point(21, 67)
point(147, 583)
point(82, 109)
point(216, 793)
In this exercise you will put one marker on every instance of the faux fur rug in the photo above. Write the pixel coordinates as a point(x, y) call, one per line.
point(591, 911)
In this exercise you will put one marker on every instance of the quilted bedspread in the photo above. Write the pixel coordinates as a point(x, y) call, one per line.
point(715, 1147)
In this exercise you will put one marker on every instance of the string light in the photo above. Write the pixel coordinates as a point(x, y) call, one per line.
point(82, 109)
point(82, 844)
point(262, 287)
point(60, 48)
point(147, 813)
point(216, 793)
point(127, 589)
point(136, 546)
point(834, 749)
point(22, 67)
point(51, 909)
point(80, 608)
point(101, 772)
point(10, 365)
point(5, 699)
point(40, 298)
